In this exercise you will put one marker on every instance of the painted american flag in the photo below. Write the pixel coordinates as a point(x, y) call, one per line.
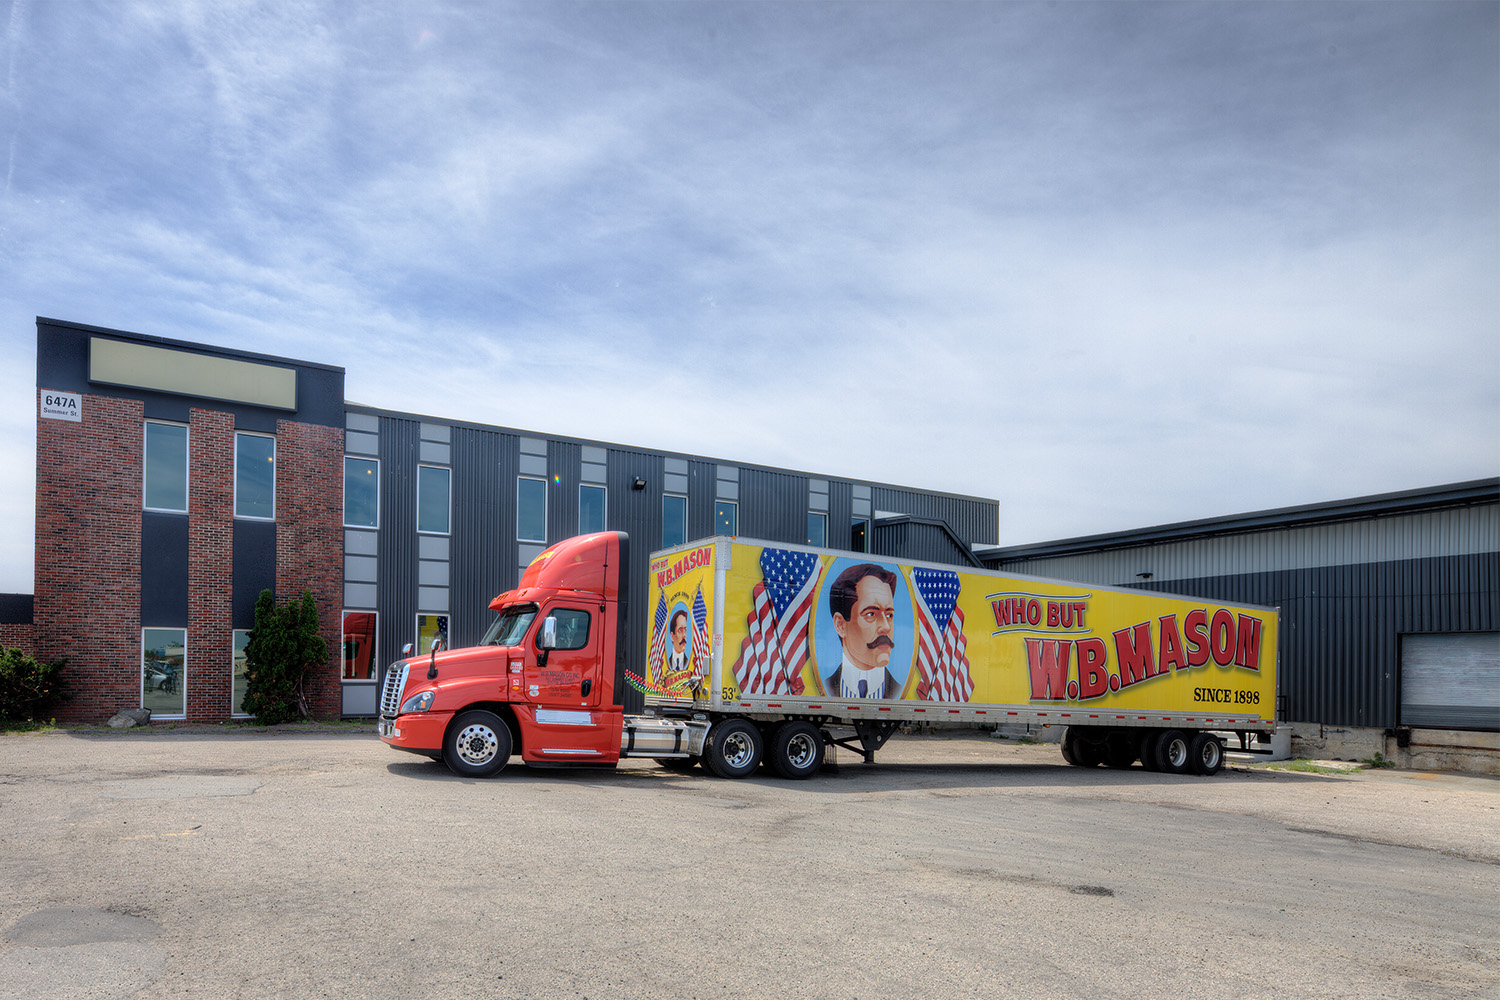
point(701, 648)
point(942, 663)
point(774, 651)
point(658, 641)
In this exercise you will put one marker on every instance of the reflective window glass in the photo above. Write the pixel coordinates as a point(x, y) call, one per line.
point(531, 510)
point(817, 529)
point(254, 476)
point(359, 645)
point(859, 535)
point(237, 685)
point(163, 671)
point(590, 509)
point(166, 467)
point(432, 499)
point(361, 493)
point(673, 521)
point(725, 516)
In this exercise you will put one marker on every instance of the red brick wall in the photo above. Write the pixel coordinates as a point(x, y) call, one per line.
point(20, 637)
point(87, 606)
point(310, 540)
point(210, 565)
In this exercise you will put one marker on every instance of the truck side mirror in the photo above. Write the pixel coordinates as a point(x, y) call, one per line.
point(407, 650)
point(437, 644)
point(549, 633)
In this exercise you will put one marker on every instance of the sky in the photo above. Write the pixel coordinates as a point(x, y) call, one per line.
point(1112, 264)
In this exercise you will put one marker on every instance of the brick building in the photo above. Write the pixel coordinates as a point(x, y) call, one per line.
point(176, 481)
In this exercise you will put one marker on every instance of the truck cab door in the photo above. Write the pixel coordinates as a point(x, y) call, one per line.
point(566, 675)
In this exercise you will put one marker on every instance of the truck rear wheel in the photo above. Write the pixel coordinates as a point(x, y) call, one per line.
point(797, 750)
point(1174, 752)
point(1148, 750)
point(733, 748)
point(477, 745)
point(1207, 754)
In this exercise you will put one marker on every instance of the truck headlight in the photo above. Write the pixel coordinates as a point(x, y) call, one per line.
point(418, 702)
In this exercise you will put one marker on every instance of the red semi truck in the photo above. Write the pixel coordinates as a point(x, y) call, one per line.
point(763, 652)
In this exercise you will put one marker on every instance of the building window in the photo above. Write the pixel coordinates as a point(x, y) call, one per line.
point(430, 627)
point(725, 516)
point(590, 509)
point(255, 476)
point(817, 529)
point(166, 467)
point(359, 645)
point(163, 671)
point(361, 493)
point(531, 510)
point(673, 521)
point(859, 535)
point(238, 682)
point(432, 500)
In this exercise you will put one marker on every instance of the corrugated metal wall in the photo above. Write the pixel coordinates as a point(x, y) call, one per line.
point(484, 555)
point(1347, 593)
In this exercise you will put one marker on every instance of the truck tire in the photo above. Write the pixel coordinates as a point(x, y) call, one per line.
point(1148, 750)
point(1174, 753)
point(477, 744)
point(797, 750)
point(1066, 746)
point(733, 748)
point(1207, 753)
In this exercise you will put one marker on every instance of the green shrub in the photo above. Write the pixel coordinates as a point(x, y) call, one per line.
point(29, 688)
point(283, 650)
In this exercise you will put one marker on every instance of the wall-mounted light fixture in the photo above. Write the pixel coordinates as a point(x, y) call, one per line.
point(1146, 575)
point(639, 484)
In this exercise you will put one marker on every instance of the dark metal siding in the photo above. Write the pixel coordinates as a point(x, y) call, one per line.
point(563, 464)
point(1341, 626)
point(974, 522)
point(482, 547)
point(773, 506)
point(396, 595)
point(638, 514)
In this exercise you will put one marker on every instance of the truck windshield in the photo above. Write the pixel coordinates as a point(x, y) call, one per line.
point(510, 628)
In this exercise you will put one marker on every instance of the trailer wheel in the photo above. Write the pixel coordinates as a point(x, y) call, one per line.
point(1066, 746)
point(1148, 750)
point(1174, 752)
point(1207, 754)
point(477, 745)
point(733, 748)
point(797, 750)
point(1080, 751)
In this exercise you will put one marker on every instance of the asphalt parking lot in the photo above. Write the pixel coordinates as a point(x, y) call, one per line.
point(326, 864)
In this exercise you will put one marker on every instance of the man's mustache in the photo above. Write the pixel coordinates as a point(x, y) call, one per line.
point(881, 640)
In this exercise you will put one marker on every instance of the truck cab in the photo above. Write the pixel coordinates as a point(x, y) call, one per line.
point(545, 681)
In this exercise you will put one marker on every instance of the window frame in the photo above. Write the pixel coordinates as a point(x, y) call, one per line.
point(821, 518)
point(235, 712)
point(448, 499)
point(603, 509)
point(187, 465)
point(374, 646)
point(182, 679)
point(734, 509)
point(684, 501)
point(236, 500)
point(376, 463)
point(519, 537)
point(853, 523)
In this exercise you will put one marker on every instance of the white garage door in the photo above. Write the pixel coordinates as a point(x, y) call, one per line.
point(1451, 680)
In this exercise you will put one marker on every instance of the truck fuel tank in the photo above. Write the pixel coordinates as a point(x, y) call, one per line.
point(650, 736)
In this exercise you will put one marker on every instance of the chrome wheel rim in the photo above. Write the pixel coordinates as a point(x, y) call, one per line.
point(801, 750)
point(477, 745)
point(738, 750)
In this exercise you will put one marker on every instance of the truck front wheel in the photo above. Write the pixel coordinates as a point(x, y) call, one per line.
point(733, 748)
point(797, 750)
point(477, 745)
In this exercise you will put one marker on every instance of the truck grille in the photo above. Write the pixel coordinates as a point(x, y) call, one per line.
point(395, 683)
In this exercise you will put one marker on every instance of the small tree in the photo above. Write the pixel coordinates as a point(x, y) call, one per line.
point(283, 650)
point(29, 688)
